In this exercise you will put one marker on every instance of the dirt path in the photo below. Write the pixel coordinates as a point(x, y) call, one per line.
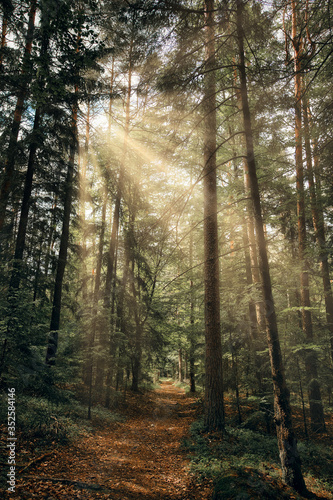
point(140, 459)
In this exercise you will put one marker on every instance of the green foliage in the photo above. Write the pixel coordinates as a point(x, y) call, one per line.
point(61, 421)
point(244, 463)
point(248, 484)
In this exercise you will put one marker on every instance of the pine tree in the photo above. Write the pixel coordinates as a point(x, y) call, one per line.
point(214, 409)
point(290, 461)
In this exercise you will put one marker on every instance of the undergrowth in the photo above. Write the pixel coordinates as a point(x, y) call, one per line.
point(61, 421)
point(244, 464)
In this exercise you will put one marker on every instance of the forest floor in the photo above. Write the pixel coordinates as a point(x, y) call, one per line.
point(140, 458)
point(147, 452)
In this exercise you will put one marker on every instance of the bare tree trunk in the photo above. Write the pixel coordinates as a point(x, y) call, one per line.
point(137, 344)
point(3, 37)
point(192, 334)
point(83, 165)
point(96, 295)
point(111, 101)
point(9, 164)
point(25, 205)
point(316, 407)
point(318, 224)
point(7, 11)
point(112, 342)
point(290, 461)
point(258, 318)
point(180, 364)
point(51, 238)
point(62, 258)
point(22, 228)
point(116, 214)
point(256, 307)
point(121, 320)
point(102, 334)
point(259, 305)
point(214, 407)
point(249, 281)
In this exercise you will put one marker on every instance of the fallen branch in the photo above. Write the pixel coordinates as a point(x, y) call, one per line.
point(36, 461)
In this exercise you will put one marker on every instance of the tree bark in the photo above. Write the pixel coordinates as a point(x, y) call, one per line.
point(94, 327)
point(22, 227)
point(7, 11)
point(83, 198)
point(62, 258)
point(318, 224)
point(259, 305)
point(119, 194)
point(102, 333)
point(290, 461)
point(257, 319)
point(192, 334)
point(180, 364)
point(316, 407)
point(214, 406)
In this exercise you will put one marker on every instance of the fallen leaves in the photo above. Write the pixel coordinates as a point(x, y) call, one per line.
point(140, 458)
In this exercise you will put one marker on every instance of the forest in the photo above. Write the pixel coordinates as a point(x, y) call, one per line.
point(166, 309)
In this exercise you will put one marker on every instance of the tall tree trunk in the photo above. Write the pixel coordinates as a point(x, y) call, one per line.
point(102, 334)
point(259, 305)
point(94, 327)
point(192, 334)
point(20, 240)
point(121, 320)
point(62, 258)
point(180, 364)
point(51, 237)
point(112, 341)
point(290, 461)
point(9, 164)
point(3, 37)
point(111, 255)
point(214, 406)
point(258, 318)
point(316, 407)
point(318, 224)
point(249, 281)
point(136, 356)
point(7, 11)
point(22, 228)
point(116, 213)
point(254, 330)
point(83, 199)
point(256, 307)
point(137, 344)
point(110, 101)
